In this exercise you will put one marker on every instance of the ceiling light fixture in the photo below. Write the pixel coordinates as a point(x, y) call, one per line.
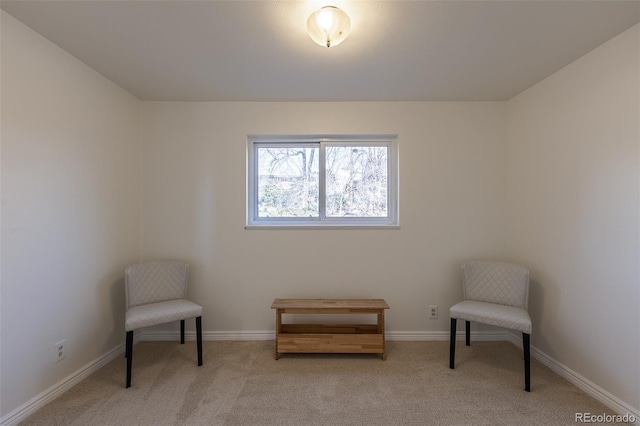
point(328, 26)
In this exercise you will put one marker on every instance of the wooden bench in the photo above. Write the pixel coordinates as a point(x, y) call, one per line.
point(330, 338)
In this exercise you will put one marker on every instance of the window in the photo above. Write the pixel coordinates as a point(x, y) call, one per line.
point(322, 181)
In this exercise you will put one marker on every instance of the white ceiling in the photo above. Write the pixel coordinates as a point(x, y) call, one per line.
point(241, 50)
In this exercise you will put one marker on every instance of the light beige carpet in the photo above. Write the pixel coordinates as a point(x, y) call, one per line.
point(241, 384)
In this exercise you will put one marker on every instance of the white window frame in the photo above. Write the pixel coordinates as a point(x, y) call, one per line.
point(390, 221)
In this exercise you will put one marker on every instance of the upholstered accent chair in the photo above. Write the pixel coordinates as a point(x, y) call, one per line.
point(495, 293)
point(155, 294)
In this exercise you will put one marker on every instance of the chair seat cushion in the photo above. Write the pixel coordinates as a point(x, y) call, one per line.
point(510, 317)
point(160, 313)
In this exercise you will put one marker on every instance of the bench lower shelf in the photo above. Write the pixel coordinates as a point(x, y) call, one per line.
point(330, 338)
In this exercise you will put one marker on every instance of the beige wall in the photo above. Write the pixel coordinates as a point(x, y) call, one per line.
point(70, 192)
point(451, 208)
point(573, 212)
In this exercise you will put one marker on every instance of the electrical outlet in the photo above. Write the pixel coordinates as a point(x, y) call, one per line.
point(433, 311)
point(61, 350)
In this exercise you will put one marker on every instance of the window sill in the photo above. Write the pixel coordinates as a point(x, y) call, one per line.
point(315, 227)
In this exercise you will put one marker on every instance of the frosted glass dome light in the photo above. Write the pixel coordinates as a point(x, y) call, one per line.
point(328, 26)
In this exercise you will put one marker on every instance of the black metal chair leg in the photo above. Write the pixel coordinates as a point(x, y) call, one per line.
point(527, 362)
point(182, 332)
point(129, 354)
point(199, 338)
point(467, 330)
point(452, 344)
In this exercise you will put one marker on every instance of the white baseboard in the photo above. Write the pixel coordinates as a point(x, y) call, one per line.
point(397, 336)
point(34, 404)
point(161, 336)
point(30, 407)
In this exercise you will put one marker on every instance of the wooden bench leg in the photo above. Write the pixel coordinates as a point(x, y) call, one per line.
point(380, 330)
point(278, 332)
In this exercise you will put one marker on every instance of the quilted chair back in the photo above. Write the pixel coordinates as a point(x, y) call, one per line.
point(155, 281)
point(496, 282)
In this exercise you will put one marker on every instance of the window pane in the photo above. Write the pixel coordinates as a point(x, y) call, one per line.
point(356, 181)
point(288, 181)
